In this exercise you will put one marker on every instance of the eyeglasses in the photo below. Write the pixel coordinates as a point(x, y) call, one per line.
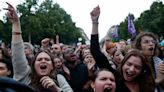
point(148, 41)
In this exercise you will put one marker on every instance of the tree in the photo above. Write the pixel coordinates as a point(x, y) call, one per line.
point(153, 19)
point(1, 29)
point(150, 20)
point(46, 20)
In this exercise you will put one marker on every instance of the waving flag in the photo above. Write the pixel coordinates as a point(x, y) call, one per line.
point(131, 28)
point(115, 32)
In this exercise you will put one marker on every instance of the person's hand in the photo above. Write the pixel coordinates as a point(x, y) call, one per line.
point(57, 39)
point(104, 49)
point(91, 64)
point(52, 41)
point(95, 13)
point(48, 83)
point(45, 42)
point(160, 73)
point(11, 14)
point(80, 47)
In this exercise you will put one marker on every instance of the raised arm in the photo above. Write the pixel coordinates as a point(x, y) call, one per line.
point(20, 64)
point(57, 39)
point(99, 57)
point(94, 17)
point(13, 18)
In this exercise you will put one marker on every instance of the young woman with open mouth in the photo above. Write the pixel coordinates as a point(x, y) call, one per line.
point(41, 73)
point(134, 74)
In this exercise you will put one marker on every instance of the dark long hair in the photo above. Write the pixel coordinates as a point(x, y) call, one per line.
point(145, 78)
point(35, 78)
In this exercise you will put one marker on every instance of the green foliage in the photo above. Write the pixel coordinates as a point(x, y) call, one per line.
point(5, 32)
point(150, 20)
point(46, 20)
point(153, 19)
point(1, 29)
point(49, 19)
point(123, 33)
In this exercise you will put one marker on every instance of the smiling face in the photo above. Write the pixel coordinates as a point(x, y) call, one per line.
point(132, 68)
point(105, 80)
point(43, 64)
point(148, 45)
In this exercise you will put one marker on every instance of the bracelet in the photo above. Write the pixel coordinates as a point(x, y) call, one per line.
point(95, 22)
point(16, 33)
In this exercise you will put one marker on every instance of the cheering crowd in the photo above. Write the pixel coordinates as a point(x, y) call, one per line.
point(113, 67)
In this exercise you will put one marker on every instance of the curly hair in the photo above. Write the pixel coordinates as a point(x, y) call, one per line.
point(137, 42)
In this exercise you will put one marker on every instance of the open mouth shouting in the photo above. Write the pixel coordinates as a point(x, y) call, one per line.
point(108, 89)
point(43, 66)
point(43, 69)
point(151, 51)
point(129, 76)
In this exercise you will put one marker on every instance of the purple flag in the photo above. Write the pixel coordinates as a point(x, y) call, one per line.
point(131, 28)
point(115, 32)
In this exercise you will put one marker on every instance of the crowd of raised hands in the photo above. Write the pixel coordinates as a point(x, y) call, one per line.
point(112, 67)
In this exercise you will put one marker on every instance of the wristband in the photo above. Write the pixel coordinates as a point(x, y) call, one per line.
point(16, 33)
point(95, 22)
